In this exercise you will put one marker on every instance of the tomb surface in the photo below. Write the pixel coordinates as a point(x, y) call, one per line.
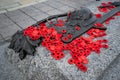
point(43, 67)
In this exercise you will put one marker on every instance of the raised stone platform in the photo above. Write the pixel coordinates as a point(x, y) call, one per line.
point(43, 67)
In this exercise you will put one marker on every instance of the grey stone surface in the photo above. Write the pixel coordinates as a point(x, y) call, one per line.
point(39, 5)
point(31, 11)
point(41, 16)
point(20, 18)
point(4, 21)
point(97, 63)
point(54, 3)
point(43, 67)
point(2, 11)
point(54, 12)
point(26, 22)
point(9, 30)
point(1, 38)
point(14, 13)
point(74, 4)
point(31, 68)
point(45, 8)
point(66, 9)
point(113, 71)
point(39, 67)
point(7, 27)
point(35, 13)
point(6, 5)
point(7, 70)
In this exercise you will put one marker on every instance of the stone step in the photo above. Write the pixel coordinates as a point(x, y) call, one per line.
point(112, 72)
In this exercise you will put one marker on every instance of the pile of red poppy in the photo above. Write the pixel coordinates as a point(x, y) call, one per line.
point(79, 48)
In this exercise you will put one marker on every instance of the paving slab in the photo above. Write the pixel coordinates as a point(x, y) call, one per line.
point(54, 12)
point(25, 4)
point(31, 11)
point(55, 4)
point(6, 5)
point(9, 30)
point(20, 18)
point(2, 11)
point(39, 5)
point(26, 22)
point(13, 13)
point(41, 16)
point(74, 4)
point(35, 13)
point(7, 27)
point(4, 21)
point(43, 7)
point(66, 9)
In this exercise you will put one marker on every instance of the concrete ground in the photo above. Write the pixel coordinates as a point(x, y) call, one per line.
point(11, 21)
point(6, 5)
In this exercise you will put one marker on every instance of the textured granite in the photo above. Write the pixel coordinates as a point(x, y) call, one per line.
point(113, 71)
point(8, 71)
point(39, 67)
point(43, 67)
point(97, 63)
